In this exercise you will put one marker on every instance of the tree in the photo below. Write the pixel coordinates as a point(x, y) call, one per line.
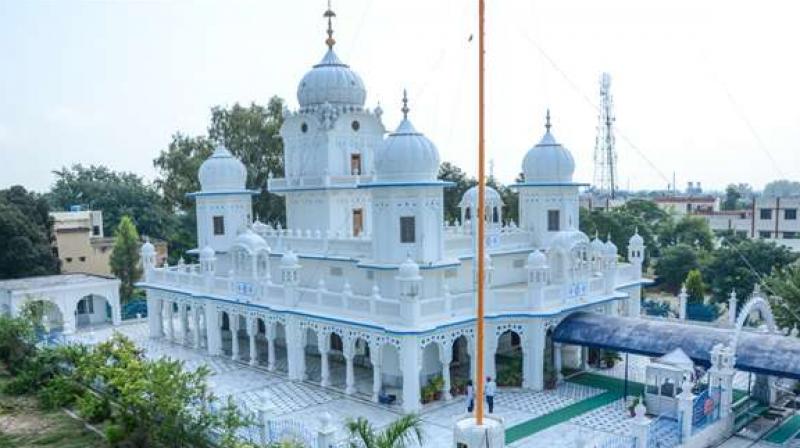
point(125, 257)
point(695, 286)
point(449, 172)
point(620, 224)
point(116, 194)
point(400, 433)
point(732, 197)
point(691, 230)
point(25, 235)
point(784, 289)
point(178, 166)
point(738, 266)
point(674, 265)
point(782, 188)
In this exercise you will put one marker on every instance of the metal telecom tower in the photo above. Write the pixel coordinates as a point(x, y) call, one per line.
point(605, 155)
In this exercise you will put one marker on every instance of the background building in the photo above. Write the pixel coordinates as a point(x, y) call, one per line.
point(767, 218)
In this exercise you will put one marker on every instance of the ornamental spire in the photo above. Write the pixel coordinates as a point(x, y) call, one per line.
point(547, 122)
point(329, 14)
point(405, 108)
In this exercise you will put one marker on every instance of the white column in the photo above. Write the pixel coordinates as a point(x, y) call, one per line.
point(184, 318)
point(327, 431)
point(324, 344)
point(732, 309)
point(533, 356)
point(213, 331)
point(685, 408)
point(293, 347)
point(635, 301)
point(557, 361)
point(490, 350)
point(350, 378)
point(270, 334)
point(252, 330)
point(640, 426)
point(116, 308)
point(446, 356)
point(410, 366)
point(233, 323)
point(154, 318)
point(196, 326)
point(376, 358)
point(170, 321)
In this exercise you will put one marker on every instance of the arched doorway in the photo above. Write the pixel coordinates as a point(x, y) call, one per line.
point(431, 378)
point(460, 366)
point(508, 359)
point(550, 375)
point(313, 358)
point(225, 334)
point(336, 363)
point(46, 315)
point(280, 363)
point(262, 346)
point(363, 368)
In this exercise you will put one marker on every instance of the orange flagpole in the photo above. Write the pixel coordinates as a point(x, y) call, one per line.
point(480, 216)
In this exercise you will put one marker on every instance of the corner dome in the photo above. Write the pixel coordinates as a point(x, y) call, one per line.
point(407, 155)
point(222, 172)
point(289, 259)
point(331, 81)
point(567, 239)
point(598, 247)
point(409, 270)
point(548, 161)
point(470, 197)
point(537, 259)
point(148, 248)
point(207, 253)
point(636, 240)
point(611, 248)
point(251, 241)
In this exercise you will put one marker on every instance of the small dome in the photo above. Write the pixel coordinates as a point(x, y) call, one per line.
point(222, 172)
point(331, 81)
point(289, 259)
point(611, 248)
point(259, 227)
point(148, 248)
point(548, 161)
point(470, 197)
point(537, 259)
point(598, 247)
point(251, 241)
point(567, 239)
point(636, 240)
point(409, 270)
point(407, 155)
point(207, 253)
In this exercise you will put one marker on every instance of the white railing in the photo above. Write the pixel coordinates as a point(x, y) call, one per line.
point(317, 181)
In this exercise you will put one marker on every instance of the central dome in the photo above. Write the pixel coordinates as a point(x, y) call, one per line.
point(548, 161)
point(331, 81)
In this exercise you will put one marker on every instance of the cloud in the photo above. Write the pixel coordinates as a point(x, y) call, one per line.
point(69, 117)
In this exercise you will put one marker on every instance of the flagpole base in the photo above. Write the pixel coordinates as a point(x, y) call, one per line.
point(467, 433)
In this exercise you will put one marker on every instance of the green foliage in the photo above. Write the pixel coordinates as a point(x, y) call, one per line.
point(449, 172)
point(401, 433)
point(125, 257)
point(25, 235)
point(732, 198)
point(509, 370)
point(609, 358)
point(115, 193)
point(782, 188)
point(59, 392)
point(17, 342)
point(784, 288)
point(695, 286)
point(621, 223)
point(728, 270)
point(94, 408)
point(690, 230)
point(674, 265)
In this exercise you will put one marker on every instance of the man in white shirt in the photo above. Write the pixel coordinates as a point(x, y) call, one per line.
point(491, 389)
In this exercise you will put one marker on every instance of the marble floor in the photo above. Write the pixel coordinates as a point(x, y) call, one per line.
point(254, 389)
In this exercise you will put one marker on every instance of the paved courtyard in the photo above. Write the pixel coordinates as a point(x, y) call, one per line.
point(254, 388)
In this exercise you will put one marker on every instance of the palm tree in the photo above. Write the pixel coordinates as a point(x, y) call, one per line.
point(399, 434)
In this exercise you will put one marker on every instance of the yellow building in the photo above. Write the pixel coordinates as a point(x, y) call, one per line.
point(81, 244)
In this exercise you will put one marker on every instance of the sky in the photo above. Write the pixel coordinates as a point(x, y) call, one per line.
point(706, 90)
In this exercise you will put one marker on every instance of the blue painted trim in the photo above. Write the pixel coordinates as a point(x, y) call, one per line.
point(323, 188)
point(394, 267)
point(550, 184)
point(492, 254)
point(222, 193)
point(613, 297)
point(438, 183)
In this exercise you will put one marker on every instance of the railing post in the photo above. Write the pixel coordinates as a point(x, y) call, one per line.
point(685, 409)
point(326, 432)
point(640, 426)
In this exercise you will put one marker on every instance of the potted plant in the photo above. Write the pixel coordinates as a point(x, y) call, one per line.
point(632, 405)
point(610, 358)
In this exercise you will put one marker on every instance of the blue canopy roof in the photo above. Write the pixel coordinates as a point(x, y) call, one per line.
point(762, 353)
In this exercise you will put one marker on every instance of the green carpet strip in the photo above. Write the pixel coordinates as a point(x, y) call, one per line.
point(613, 387)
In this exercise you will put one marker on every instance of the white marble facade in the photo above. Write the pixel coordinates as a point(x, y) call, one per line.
point(367, 271)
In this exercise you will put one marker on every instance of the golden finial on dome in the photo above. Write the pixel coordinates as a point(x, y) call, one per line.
point(329, 14)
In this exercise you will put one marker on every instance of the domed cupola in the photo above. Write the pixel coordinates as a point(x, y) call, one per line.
point(548, 161)
point(222, 172)
point(331, 81)
point(406, 155)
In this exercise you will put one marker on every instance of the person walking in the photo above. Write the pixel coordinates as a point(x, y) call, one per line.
point(491, 388)
point(470, 396)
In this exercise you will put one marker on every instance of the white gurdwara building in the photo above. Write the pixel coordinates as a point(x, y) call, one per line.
point(368, 289)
